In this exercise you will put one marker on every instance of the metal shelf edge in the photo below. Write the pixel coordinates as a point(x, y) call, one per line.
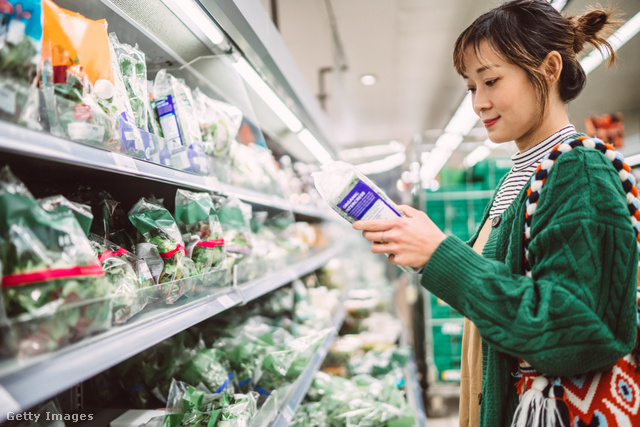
point(20, 140)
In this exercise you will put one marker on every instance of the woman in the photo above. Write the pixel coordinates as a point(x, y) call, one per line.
point(577, 312)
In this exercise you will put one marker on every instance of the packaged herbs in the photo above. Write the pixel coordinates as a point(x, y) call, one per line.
point(354, 196)
point(201, 229)
point(219, 123)
point(129, 275)
point(20, 47)
point(158, 228)
point(211, 368)
point(235, 218)
point(133, 67)
point(53, 286)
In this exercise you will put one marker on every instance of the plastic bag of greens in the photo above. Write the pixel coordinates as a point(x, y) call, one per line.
point(285, 365)
point(209, 367)
point(201, 230)
point(240, 412)
point(157, 226)
point(354, 196)
point(129, 275)
point(235, 218)
point(20, 47)
point(53, 285)
point(152, 112)
point(184, 399)
point(77, 78)
point(219, 123)
point(133, 67)
point(174, 103)
point(81, 212)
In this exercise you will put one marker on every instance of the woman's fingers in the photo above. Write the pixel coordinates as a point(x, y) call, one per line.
point(374, 225)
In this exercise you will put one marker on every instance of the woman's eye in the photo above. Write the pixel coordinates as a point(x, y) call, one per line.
point(471, 89)
point(491, 82)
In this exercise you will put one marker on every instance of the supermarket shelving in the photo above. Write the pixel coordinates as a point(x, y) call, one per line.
point(24, 384)
point(295, 394)
point(19, 140)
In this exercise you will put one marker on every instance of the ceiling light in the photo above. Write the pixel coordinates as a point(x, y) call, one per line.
point(464, 119)
point(382, 165)
point(616, 40)
point(558, 4)
point(436, 160)
point(314, 147)
point(449, 141)
point(268, 95)
point(633, 160)
point(368, 79)
point(188, 10)
point(477, 155)
point(356, 153)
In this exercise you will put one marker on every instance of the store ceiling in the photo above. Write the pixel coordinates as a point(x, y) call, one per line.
point(407, 45)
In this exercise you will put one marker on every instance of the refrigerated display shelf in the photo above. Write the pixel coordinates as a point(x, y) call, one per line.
point(19, 140)
point(26, 383)
point(299, 389)
point(414, 392)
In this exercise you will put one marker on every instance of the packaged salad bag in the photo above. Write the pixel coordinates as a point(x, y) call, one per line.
point(201, 230)
point(219, 124)
point(77, 78)
point(354, 196)
point(160, 232)
point(53, 286)
point(175, 108)
point(235, 218)
point(130, 277)
point(20, 48)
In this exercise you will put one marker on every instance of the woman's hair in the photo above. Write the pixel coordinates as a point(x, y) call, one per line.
point(523, 32)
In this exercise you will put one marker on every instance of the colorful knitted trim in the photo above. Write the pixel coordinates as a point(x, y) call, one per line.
point(540, 177)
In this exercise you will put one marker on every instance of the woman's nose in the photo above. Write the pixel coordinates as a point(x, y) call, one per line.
point(480, 101)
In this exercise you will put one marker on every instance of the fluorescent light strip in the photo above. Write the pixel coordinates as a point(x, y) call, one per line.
point(478, 154)
point(268, 95)
point(382, 165)
point(619, 38)
point(314, 146)
point(195, 13)
point(464, 119)
point(371, 150)
point(632, 160)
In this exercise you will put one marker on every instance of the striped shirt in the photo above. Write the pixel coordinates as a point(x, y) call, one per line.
point(524, 166)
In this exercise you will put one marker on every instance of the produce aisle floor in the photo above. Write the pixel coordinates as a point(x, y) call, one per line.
point(449, 418)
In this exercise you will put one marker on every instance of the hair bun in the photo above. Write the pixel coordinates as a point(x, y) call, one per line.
point(587, 27)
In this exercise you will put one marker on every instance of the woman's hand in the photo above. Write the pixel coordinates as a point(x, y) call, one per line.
point(409, 241)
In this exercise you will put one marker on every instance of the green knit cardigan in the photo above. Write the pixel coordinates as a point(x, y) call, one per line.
point(578, 311)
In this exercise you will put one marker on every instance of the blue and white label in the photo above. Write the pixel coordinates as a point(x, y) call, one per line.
point(169, 123)
point(364, 203)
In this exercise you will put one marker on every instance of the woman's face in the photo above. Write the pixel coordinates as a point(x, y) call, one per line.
point(503, 97)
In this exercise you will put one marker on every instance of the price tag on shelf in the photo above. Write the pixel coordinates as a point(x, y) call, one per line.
point(212, 183)
point(124, 163)
point(226, 301)
point(287, 413)
point(7, 403)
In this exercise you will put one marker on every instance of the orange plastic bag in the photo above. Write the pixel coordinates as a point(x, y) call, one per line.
point(76, 44)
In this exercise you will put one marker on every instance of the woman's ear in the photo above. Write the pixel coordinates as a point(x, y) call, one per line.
point(552, 66)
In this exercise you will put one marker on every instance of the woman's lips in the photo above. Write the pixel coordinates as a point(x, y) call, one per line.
point(488, 123)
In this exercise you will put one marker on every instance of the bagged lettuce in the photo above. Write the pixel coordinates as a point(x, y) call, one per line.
point(159, 229)
point(219, 124)
point(20, 48)
point(129, 275)
point(53, 286)
point(211, 368)
point(201, 229)
point(235, 218)
point(133, 67)
point(354, 196)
